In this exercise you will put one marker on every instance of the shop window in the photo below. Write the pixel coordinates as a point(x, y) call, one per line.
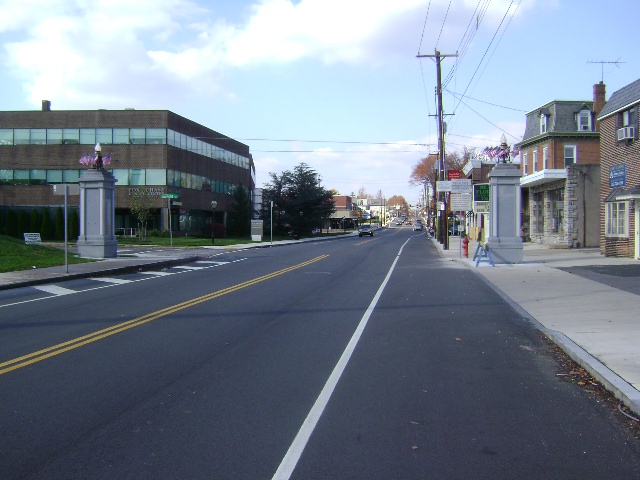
point(537, 212)
point(616, 222)
point(557, 209)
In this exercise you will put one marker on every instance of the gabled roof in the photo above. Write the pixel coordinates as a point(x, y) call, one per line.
point(561, 118)
point(621, 99)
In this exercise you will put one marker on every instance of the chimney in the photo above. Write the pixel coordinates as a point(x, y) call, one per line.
point(46, 106)
point(599, 100)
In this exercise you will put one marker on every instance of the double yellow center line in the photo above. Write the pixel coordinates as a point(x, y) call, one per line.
point(40, 355)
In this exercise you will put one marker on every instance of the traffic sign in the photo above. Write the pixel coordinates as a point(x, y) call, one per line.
point(170, 195)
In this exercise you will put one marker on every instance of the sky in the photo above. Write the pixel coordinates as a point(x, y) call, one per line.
point(335, 84)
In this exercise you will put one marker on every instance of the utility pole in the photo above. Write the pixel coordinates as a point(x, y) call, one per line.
point(443, 235)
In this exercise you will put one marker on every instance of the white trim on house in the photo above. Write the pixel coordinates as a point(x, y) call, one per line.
point(544, 176)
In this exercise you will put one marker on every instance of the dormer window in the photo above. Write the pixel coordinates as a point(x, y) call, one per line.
point(544, 123)
point(584, 121)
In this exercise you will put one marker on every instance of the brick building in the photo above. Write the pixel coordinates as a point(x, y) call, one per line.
point(153, 152)
point(559, 160)
point(620, 184)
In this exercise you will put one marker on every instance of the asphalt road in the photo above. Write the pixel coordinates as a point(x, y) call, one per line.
point(356, 358)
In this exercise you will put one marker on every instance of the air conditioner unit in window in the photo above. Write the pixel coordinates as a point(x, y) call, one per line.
point(626, 133)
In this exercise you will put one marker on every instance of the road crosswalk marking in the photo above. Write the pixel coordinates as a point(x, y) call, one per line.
point(54, 289)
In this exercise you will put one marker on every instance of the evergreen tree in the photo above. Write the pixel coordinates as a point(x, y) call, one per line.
point(74, 226)
point(301, 201)
point(34, 224)
point(11, 225)
point(46, 229)
point(23, 223)
point(239, 223)
point(59, 231)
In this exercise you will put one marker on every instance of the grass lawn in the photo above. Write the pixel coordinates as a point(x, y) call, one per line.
point(16, 255)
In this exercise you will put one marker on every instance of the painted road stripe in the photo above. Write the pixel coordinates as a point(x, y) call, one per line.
point(158, 274)
point(40, 355)
point(290, 460)
point(212, 262)
point(110, 280)
point(54, 289)
point(184, 267)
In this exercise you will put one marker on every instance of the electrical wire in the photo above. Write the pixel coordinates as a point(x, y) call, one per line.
point(485, 119)
point(424, 27)
point(443, 22)
point(487, 103)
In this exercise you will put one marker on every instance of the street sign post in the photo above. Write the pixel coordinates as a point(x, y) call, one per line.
point(66, 189)
point(169, 197)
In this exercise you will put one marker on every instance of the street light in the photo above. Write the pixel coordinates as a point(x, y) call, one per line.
point(98, 150)
point(214, 204)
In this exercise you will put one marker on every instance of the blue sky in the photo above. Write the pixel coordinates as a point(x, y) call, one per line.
point(332, 83)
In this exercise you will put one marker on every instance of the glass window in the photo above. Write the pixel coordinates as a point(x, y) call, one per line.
point(183, 141)
point(616, 219)
point(21, 177)
point(88, 136)
point(54, 136)
point(173, 138)
point(6, 136)
point(104, 136)
point(38, 177)
point(545, 157)
point(584, 120)
point(121, 136)
point(569, 155)
point(136, 176)
point(157, 136)
point(136, 136)
point(543, 123)
point(6, 177)
point(537, 212)
point(21, 136)
point(38, 136)
point(70, 176)
point(122, 176)
point(156, 176)
point(557, 207)
point(171, 175)
point(534, 162)
point(70, 136)
point(54, 176)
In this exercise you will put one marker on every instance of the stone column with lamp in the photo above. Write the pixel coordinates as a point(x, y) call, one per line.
point(97, 208)
point(504, 240)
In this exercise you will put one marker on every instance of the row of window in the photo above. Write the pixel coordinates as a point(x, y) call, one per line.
point(119, 136)
point(583, 121)
point(125, 176)
point(570, 157)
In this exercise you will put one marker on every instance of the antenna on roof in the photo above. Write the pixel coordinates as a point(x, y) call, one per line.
point(602, 62)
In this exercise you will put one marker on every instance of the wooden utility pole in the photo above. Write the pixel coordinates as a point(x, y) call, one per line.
point(443, 235)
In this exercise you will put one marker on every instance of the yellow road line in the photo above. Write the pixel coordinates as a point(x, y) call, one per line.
point(40, 355)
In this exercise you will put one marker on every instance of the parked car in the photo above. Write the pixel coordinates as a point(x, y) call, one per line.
point(454, 230)
point(399, 222)
point(365, 230)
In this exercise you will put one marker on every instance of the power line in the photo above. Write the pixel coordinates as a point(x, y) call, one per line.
point(424, 27)
point(443, 22)
point(482, 101)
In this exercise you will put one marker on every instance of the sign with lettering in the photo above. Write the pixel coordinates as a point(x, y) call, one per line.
point(460, 202)
point(617, 175)
point(453, 174)
point(461, 186)
point(481, 192)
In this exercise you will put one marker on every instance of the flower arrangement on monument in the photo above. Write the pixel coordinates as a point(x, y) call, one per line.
point(97, 160)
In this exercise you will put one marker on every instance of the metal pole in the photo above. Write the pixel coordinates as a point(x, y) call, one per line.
point(271, 229)
point(170, 229)
point(66, 243)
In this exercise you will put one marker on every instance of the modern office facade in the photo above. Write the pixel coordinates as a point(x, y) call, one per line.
point(153, 153)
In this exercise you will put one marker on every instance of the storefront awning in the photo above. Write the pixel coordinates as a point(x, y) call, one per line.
point(543, 176)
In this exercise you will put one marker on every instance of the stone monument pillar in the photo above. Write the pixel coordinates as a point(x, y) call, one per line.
point(504, 240)
point(97, 210)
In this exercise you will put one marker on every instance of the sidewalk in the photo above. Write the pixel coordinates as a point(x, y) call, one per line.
point(585, 302)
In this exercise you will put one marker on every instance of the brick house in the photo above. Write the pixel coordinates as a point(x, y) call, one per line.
point(560, 163)
point(620, 183)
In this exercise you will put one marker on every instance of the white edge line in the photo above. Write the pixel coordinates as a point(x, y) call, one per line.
point(290, 460)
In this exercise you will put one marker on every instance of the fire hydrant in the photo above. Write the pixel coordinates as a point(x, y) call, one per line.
point(465, 246)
